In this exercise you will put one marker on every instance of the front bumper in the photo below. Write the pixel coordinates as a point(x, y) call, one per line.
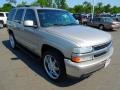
point(78, 69)
point(115, 27)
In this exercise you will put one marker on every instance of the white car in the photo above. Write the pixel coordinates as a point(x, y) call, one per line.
point(3, 18)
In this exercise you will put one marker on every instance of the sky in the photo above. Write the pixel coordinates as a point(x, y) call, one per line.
point(72, 3)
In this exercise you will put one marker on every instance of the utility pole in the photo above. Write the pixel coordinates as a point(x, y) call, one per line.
point(93, 8)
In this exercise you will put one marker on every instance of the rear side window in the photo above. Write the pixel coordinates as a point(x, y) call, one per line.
point(19, 14)
point(96, 19)
point(1, 15)
point(7, 14)
point(11, 14)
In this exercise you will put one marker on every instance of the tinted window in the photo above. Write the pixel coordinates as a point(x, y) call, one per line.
point(19, 14)
point(30, 15)
point(109, 20)
point(96, 19)
point(11, 14)
point(1, 15)
point(49, 18)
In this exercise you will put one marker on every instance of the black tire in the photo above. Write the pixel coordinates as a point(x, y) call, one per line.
point(12, 41)
point(85, 23)
point(1, 24)
point(59, 63)
point(101, 27)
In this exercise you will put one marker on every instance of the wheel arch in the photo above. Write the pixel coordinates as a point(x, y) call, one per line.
point(46, 47)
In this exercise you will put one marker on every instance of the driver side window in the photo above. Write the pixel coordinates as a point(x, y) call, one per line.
point(30, 15)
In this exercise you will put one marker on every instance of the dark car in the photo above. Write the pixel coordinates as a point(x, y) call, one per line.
point(81, 18)
point(104, 23)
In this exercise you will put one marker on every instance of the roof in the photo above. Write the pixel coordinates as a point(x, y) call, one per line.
point(37, 7)
point(3, 12)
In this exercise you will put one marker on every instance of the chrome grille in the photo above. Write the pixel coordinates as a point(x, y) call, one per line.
point(101, 46)
point(100, 54)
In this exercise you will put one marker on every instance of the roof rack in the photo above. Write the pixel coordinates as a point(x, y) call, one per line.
point(29, 6)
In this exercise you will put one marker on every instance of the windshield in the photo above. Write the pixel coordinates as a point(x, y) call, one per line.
point(49, 18)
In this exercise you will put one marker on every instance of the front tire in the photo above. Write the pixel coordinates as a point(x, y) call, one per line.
point(54, 67)
point(12, 41)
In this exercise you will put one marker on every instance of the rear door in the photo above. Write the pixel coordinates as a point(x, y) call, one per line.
point(92, 22)
point(18, 26)
point(95, 22)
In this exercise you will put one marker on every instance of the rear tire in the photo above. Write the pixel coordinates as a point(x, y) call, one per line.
point(101, 27)
point(53, 63)
point(12, 41)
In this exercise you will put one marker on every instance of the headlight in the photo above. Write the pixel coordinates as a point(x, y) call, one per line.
point(76, 51)
point(82, 50)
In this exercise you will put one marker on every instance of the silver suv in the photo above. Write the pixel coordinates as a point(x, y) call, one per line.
point(65, 47)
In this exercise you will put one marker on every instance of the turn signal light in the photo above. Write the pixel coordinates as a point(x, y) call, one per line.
point(75, 59)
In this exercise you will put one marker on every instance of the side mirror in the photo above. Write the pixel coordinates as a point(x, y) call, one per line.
point(29, 23)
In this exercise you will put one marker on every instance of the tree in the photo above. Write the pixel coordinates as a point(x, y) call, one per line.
point(100, 4)
point(115, 9)
point(63, 4)
point(50, 3)
point(53, 3)
point(87, 7)
point(6, 7)
point(12, 1)
point(78, 9)
point(42, 3)
point(23, 3)
point(99, 7)
point(35, 3)
point(107, 8)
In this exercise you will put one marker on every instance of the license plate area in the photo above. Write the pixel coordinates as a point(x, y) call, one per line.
point(107, 62)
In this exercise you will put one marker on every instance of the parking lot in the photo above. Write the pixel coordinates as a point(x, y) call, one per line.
point(21, 71)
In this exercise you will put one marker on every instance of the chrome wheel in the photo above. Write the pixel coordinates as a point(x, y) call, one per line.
point(51, 67)
point(101, 27)
point(12, 41)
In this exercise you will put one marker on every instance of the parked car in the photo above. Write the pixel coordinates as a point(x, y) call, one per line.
point(105, 15)
point(66, 48)
point(116, 17)
point(3, 18)
point(81, 18)
point(104, 23)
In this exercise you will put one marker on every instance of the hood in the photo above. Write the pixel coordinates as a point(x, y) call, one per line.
point(81, 35)
point(116, 22)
